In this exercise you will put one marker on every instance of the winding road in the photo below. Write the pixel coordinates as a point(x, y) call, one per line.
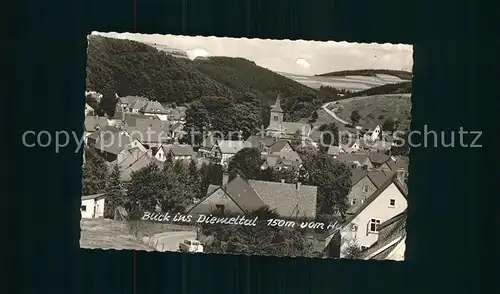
point(332, 114)
point(169, 241)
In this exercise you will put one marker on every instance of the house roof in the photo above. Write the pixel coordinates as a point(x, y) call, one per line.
point(178, 113)
point(334, 150)
point(94, 196)
point(132, 163)
point(389, 231)
point(110, 139)
point(208, 141)
point(182, 150)
point(398, 164)
point(256, 140)
point(153, 107)
point(377, 177)
point(137, 103)
point(232, 147)
point(131, 99)
point(278, 146)
point(91, 122)
point(287, 199)
point(149, 130)
point(352, 157)
point(240, 192)
point(392, 179)
point(378, 158)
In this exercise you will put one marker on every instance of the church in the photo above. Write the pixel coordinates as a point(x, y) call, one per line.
point(281, 129)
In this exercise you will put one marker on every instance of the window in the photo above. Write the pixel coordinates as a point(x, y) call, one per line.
point(353, 201)
point(373, 225)
point(83, 208)
point(220, 208)
point(392, 203)
point(364, 247)
point(275, 118)
point(365, 188)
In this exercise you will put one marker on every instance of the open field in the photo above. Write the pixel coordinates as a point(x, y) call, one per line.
point(106, 233)
point(350, 82)
point(376, 109)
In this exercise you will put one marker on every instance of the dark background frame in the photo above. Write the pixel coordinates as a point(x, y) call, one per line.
point(49, 45)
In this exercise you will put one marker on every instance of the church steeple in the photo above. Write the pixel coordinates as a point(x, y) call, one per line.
point(277, 106)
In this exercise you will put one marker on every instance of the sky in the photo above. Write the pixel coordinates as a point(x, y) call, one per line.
point(295, 57)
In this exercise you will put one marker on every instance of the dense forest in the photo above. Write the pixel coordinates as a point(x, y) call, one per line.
point(396, 88)
point(404, 75)
point(131, 68)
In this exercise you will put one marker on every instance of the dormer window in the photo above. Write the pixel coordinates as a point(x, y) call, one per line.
point(373, 225)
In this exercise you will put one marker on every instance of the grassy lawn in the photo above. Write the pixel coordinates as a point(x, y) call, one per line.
point(106, 233)
point(376, 109)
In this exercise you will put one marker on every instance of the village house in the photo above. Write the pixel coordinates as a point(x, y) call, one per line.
point(176, 115)
point(110, 141)
point(352, 146)
point(223, 150)
point(356, 160)
point(261, 142)
point(379, 160)
point(335, 151)
point(151, 133)
point(281, 129)
point(92, 124)
point(373, 134)
point(391, 242)
point(281, 155)
point(132, 103)
point(364, 184)
point(130, 150)
point(177, 130)
point(128, 118)
point(135, 161)
point(92, 206)
point(206, 145)
point(154, 108)
point(362, 228)
point(240, 196)
point(182, 152)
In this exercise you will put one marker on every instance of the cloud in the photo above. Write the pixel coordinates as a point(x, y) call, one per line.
point(193, 54)
point(281, 55)
point(303, 63)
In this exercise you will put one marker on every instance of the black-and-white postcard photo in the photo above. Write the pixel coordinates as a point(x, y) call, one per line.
point(246, 146)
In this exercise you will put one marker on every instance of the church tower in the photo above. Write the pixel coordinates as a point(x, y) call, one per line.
point(276, 117)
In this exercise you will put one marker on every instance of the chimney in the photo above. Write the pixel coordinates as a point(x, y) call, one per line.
point(225, 178)
point(298, 185)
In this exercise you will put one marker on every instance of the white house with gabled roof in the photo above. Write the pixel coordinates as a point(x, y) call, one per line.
point(362, 227)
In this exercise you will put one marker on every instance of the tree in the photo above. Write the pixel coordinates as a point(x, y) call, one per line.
point(401, 144)
point(330, 135)
point(352, 251)
point(146, 187)
point(114, 193)
point(355, 117)
point(258, 240)
point(179, 189)
point(95, 172)
point(107, 105)
point(247, 162)
point(389, 125)
point(333, 180)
